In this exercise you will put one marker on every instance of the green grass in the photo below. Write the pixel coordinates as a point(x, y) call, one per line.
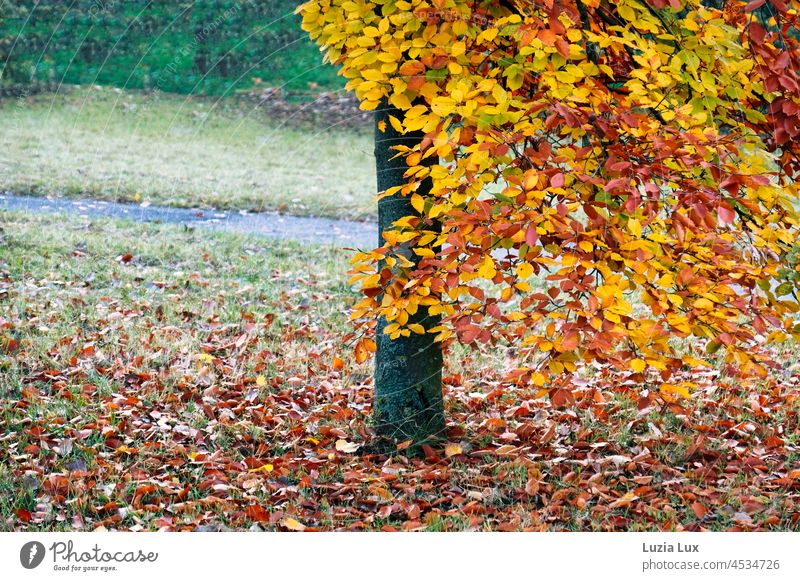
point(185, 152)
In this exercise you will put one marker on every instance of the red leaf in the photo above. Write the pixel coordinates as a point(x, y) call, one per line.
point(531, 236)
point(754, 4)
point(562, 397)
point(257, 513)
point(757, 33)
point(726, 214)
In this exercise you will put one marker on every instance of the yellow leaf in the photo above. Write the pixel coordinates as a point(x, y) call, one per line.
point(396, 125)
point(371, 31)
point(703, 303)
point(487, 35)
point(672, 389)
point(264, 468)
point(523, 286)
point(638, 365)
point(401, 101)
point(569, 260)
point(695, 362)
point(451, 449)
point(418, 203)
point(538, 378)
point(373, 75)
point(487, 269)
point(524, 270)
point(292, 524)
point(443, 106)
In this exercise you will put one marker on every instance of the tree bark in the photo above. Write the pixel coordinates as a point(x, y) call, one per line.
point(408, 370)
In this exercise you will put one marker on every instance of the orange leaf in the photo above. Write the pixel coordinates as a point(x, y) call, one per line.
point(568, 342)
point(257, 513)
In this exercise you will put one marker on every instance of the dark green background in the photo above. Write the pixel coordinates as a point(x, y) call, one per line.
point(154, 45)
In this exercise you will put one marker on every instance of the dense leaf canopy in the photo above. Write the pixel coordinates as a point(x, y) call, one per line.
point(607, 177)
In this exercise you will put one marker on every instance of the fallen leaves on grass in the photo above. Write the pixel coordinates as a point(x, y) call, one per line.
point(199, 408)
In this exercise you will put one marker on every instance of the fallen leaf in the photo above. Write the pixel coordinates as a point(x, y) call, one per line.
point(264, 468)
point(699, 510)
point(257, 513)
point(624, 500)
point(64, 447)
point(451, 449)
point(292, 524)
point(346, 447)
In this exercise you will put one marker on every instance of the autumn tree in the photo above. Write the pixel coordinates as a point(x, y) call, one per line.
point(588, 182)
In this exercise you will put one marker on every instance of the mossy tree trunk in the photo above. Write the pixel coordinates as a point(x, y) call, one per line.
point(408, 370)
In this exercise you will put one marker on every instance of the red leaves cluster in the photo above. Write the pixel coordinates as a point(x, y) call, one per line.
point(776, 49)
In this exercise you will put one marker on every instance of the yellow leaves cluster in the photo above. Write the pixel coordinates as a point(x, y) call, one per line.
point(601, 184)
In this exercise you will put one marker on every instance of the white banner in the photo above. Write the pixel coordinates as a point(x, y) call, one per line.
point(401, 556)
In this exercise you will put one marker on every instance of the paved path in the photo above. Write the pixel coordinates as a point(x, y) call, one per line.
point(305, 230)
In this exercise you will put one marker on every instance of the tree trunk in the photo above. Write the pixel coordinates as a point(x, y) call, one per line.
point(408, 370)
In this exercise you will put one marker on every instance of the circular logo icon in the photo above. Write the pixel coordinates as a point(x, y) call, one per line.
point(31, 554)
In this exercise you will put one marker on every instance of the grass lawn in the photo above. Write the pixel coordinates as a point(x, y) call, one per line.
point(158, 378)
point(188, 152)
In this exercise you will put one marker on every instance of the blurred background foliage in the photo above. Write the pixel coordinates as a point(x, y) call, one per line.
point(212, 47)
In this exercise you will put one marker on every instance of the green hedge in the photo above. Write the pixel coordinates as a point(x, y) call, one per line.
point(201, 46)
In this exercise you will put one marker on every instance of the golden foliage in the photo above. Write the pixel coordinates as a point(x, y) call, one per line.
point(590, 156)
